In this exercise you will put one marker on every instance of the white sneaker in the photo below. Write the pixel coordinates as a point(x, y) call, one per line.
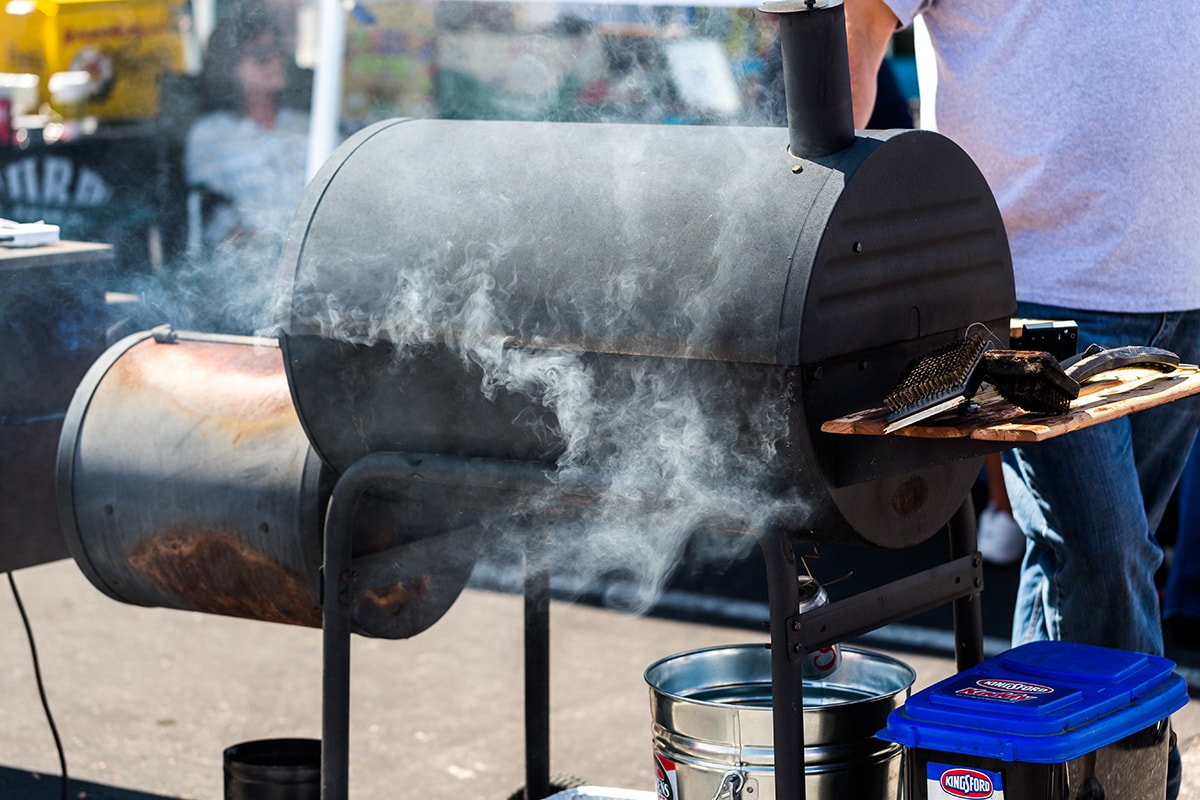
point(1000, 538)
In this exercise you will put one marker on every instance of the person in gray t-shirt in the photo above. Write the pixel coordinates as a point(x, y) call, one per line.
point(1081, 120)
point(248, 154)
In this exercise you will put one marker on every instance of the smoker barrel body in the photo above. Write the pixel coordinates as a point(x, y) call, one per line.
point(425, 254)
point(185, 481)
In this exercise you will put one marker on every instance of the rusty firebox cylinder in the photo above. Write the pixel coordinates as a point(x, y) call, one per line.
point(185, 480)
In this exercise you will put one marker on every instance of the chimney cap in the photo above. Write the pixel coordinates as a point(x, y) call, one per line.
point(790, 6)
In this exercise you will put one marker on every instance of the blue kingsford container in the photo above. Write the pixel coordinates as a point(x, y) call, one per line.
point(1046, 720)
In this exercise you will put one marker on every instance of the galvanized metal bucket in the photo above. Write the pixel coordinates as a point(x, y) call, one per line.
point(713, 736)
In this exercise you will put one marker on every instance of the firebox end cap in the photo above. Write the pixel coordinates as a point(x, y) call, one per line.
point(791, 6)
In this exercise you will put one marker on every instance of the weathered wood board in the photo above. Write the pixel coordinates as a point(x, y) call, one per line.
point(990, 417)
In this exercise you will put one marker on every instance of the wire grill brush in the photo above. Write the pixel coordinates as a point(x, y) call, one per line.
point(1030, 379)
point(938, 381)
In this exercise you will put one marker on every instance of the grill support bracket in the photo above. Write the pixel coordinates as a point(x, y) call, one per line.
point(844, 619)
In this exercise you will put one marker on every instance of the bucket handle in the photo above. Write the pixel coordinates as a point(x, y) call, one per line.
point(731, 782)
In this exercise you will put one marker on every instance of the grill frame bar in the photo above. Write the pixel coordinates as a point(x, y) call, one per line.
point(792, 634)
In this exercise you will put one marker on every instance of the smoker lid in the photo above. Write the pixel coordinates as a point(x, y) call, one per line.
point(584, 237)
point(695, 242)
point(700, 242)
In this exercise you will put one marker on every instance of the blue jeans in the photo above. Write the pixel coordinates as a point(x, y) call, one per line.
point(1182, 595)
point(1089, 502)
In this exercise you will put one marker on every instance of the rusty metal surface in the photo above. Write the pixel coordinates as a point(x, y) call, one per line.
point(218, 572)
point(186, 481)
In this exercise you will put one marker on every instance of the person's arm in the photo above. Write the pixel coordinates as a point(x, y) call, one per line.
point(869, 27)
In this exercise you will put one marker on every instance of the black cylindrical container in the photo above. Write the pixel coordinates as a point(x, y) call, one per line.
point(273, 769)
point(816, 76)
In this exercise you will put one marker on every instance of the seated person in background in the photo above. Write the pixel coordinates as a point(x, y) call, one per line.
point(248, 148)
point(250, 151)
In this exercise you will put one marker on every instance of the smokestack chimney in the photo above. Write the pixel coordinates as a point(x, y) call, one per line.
point(816, 75)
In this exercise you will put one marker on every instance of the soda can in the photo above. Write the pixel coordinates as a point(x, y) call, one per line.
point(818, 664)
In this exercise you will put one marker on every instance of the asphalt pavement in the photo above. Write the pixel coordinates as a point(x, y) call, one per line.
point(146, 700)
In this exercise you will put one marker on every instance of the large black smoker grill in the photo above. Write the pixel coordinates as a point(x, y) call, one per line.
point(825, 263)
point(790, 277)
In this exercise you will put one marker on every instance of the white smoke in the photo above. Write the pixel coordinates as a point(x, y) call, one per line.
point(675, 454)
point(599, 316)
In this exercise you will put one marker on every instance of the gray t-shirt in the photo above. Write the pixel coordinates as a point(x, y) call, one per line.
point(1082, 116)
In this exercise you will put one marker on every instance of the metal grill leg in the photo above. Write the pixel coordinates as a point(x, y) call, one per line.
point(335, 638)
point(968, 610)
point(383, 470)
point(537, 666)
point(787, 683)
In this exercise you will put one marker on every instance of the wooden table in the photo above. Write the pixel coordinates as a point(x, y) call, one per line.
point(55, 254)
point(989, 417)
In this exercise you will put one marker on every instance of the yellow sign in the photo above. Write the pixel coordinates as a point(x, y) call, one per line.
point(122, 45)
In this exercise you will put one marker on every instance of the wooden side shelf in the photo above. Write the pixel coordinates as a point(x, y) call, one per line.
point(989, 417)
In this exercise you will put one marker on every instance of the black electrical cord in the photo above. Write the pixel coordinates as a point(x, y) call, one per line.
point(37, 673)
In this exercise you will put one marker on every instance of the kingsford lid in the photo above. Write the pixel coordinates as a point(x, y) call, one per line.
point(1043, 702)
